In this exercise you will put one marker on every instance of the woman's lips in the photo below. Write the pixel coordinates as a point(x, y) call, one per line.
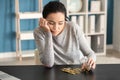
point(54, 31)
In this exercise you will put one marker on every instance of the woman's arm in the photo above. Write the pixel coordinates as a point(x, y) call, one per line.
point(43, 39)
point(85, 48)
point(45, 46)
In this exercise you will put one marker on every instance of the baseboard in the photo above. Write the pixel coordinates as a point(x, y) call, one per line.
point(13, 54)
point(109, 46)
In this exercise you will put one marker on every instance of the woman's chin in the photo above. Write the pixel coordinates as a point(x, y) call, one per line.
point(54, 34)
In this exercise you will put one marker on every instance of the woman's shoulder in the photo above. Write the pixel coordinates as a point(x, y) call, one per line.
point(72, 24)
point(75, 27)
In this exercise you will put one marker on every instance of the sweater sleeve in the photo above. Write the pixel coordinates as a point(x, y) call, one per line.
point(83, 43)
point(45, 46)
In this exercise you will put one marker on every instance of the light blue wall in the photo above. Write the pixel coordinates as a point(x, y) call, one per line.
point(7, 30)
point(7, 23)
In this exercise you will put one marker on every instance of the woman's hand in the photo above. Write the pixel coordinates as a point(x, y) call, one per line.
point(90, 64)
point(44, 24)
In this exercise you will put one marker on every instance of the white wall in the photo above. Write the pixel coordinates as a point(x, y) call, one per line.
point(116, 25)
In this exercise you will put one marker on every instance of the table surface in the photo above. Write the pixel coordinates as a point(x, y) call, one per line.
point(39, 72)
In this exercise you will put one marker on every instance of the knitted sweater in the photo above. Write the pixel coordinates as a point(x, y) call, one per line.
point(69, 47)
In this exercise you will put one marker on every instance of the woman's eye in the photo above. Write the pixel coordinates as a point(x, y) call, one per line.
point(51, 23)
point(60, 23)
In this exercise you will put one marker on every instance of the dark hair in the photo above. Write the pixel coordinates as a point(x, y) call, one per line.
point(53, 7)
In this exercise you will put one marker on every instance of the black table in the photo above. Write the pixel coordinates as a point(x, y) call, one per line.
point(37, 72)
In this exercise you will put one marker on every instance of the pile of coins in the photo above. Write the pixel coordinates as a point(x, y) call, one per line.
point(72, 70)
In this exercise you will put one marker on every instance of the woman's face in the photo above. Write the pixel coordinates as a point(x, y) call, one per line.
point(56, 22)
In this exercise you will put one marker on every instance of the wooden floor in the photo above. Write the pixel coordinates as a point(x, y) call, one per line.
point(111, 57)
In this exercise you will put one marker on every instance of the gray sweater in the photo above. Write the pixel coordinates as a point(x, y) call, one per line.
point(69, 47)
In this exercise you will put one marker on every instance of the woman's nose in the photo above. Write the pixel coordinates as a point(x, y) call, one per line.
point(55, 27)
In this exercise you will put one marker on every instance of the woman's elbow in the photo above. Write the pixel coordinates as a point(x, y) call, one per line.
point(49, 65)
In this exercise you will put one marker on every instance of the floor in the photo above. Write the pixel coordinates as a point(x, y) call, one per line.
point(111, 57)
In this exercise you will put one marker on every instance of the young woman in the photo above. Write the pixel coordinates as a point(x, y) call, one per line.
point(60, 41)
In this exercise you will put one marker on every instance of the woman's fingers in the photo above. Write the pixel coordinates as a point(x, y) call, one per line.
point(44, 24)
point(91, 63)
point(83, 66)
point(94, 66)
